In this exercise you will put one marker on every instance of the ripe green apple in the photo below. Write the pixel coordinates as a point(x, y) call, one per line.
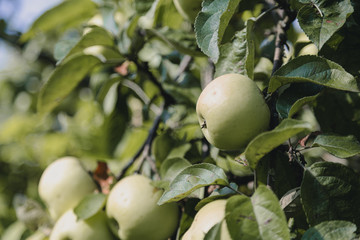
point(209, 215)
point(132, 206)
point(231, 111)
point(188, 8)
point(93, 228)
point(63, 184)
point(309, 49)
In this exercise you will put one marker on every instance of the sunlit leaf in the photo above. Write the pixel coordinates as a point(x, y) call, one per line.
point(192, 178)
point(238, 56)
point(270, 217)
point(211, 23)
point(64, 79)
point(95, 36)
point(66, 14)
point(320, 19)
point(314, 69)
point(90, 205)
point(339, 146)
point(267, 141)
point(258, 217)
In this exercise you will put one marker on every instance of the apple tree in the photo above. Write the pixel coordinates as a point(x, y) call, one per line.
point(116, 84)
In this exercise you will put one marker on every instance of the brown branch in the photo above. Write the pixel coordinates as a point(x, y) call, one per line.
point(286, 18)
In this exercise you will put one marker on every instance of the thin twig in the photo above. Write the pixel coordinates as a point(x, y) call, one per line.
point(144, 148)
point(235, 190)
point(263, 14)
point(145, 68)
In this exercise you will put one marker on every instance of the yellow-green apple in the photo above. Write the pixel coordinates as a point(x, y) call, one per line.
point(93, 228)
point(134, 213)
point(188, 8)
point(209, 215)
point(232, 111)
point(309, 49)
point(63, 184)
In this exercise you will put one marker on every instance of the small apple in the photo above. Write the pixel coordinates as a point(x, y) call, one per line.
point(209, 215)
point(132, 206)
point(63, 184)
point(189, 9)
point(231, 111)
point(93, 228)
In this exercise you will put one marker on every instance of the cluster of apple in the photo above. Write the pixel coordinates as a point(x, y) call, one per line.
point(131, 210)
point(231, 111)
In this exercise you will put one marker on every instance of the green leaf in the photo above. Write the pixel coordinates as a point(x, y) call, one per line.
point(320, 19)
point(330, 191)
point(182, 41)
point(187, 216)
point(270, 217)
point(339, 146)
point(95, 36)
point(64, 79)
point(143, 6)
point(267, 141)
point(331, 230)
point(211, 23)
point(238, 56)
point(241, 219)
point(192, 178)
point(295, 97)
point(314, 69)
point(171, 167)
point(338, 112)
point(66, 14)
point(214, 233)
point(90, 205)
point(258, 217)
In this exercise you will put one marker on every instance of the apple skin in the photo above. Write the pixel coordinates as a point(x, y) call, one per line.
point(231, 111)
point(63, 184)
point(309, 49)
point(93, 228)
point(132, 205)
point(209, 215)
point(188, 8)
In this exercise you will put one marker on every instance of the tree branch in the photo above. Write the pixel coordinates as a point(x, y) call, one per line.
point(286, 18)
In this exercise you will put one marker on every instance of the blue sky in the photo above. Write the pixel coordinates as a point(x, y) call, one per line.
point(21, 14)
point(24, 12)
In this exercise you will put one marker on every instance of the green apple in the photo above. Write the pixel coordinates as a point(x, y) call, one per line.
point(231, 111)
point(189, 9)
point(209, 215)
point(63, 184)
point(309, 49)
point(93, 228)
point(132, 206)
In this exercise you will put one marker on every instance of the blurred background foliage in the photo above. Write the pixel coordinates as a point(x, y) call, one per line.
point(108, 117)
point(103, 108)
point(29, 142)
